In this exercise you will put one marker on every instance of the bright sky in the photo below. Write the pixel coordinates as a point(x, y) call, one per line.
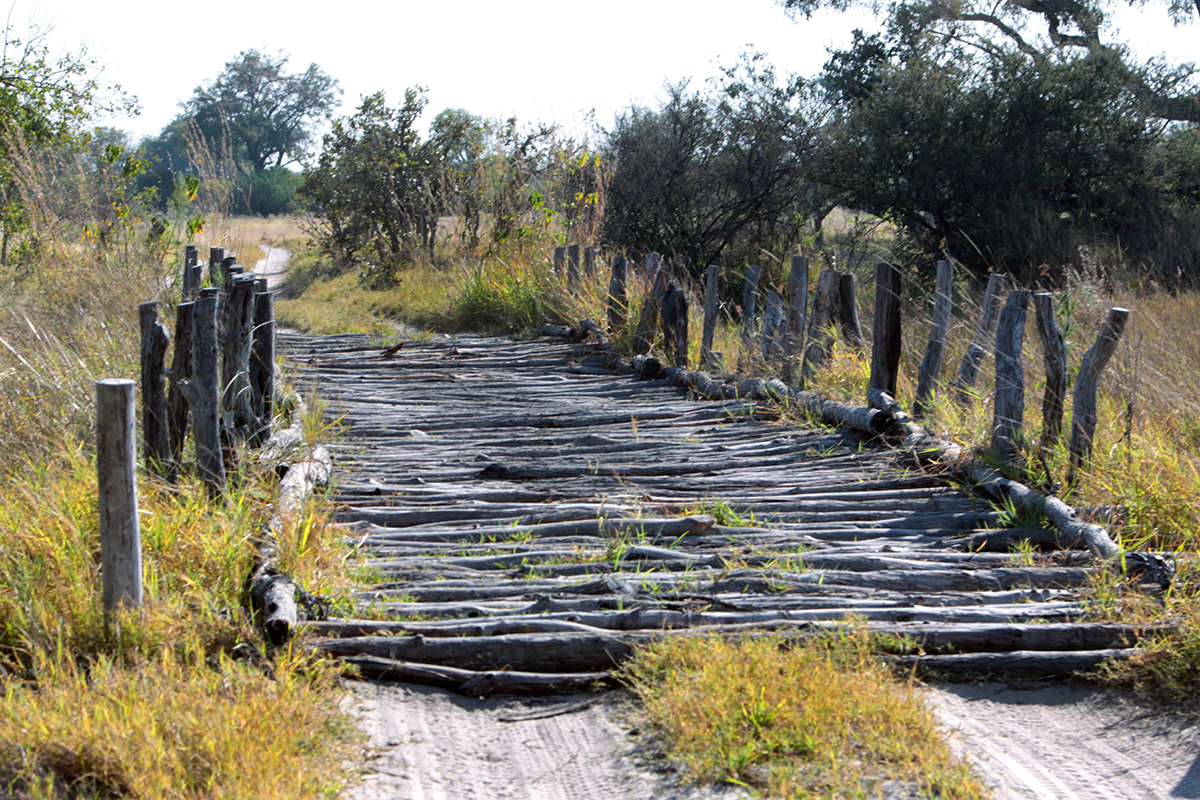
point(542, 60)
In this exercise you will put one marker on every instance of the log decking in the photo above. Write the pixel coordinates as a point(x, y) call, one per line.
point(529, 519)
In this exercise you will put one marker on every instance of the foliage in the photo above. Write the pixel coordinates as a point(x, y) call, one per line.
point(263, 115)
point(816, 719)
point(710, 170)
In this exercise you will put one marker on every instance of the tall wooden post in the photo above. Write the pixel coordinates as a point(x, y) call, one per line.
point(821, 325)
point(560, 259)
point(216, 256)
point(749, 301)
point(617, 298)
point(155, 427)
point(573, 267)
point(653, 267)
point(793, 342)
point(930, 372)
point(262, 363)
point(708, 360)
point(772, 327)
point(1008, 419)
point(885, 352)
point(204, 393)
point(969, 370)
point(235, 361)
point(181, 370)
point(1083, 416)
point(116, 473)
point(190, 285)
point(675, 323)
point(589, 260)
point(848, 311)
point(1054, 356)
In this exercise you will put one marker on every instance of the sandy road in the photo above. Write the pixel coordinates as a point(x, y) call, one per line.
point(274, 266)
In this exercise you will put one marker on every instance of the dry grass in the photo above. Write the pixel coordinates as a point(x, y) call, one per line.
point(818, 720)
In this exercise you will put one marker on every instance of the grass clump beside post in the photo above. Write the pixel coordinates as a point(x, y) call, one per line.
point(817, 719)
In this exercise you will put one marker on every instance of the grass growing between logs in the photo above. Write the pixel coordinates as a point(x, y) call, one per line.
point(822, 719)
point(176, 699)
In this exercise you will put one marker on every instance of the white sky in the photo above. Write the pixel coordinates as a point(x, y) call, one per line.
point(542, 60)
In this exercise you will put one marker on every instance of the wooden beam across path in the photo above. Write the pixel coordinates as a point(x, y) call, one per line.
point(521, 509)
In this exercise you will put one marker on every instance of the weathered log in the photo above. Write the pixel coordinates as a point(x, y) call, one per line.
point(1004, 540)
point(190, 284)
point(964, 384)
point(181, 370)
point(478, 684)
point(1035, 662)
point(203, 393)
point(821, 326)
point(643, 334)
point(708, 359)
point(847, 312)
point(617, 298)
point(930, 372)
point(1054, 356)
point(155, 423)
point(235, 361)
point(1083, 416)
point(885, 351)
point(273, 603)
point(797, 318)
point(589, 260)
point(216, 256)
point(573, 267)
point(1008, 418)
point(560, 259)
point(116, 473)
point(772, 332)
point(653, 267)
point(749, 301)
point(262, 365)
point(301, 479)
point(675, 324)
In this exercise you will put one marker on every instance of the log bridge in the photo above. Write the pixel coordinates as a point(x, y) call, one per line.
point(529, 517)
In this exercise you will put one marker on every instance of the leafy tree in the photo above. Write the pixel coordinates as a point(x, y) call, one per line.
point(711, 170)
point(263, 114)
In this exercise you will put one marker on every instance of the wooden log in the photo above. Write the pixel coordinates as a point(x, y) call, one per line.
point(643, 334)
point(181, 370)
point(1008, 418)
point(653, 268)
point(235, 361)
point(203, 393)
point(589, 260)
point(155, 423)
point(272, 598)
point(302, 478)
point(216, 256)
point(617, 298)
point(1083, 416)
point(930, 372)
point(772, 332)
point(573, 267)
point(797, 318)
point(749, 301)
point(675, 324)
point(964, 384)
point(262, 365)
point(1035, 662)
point(560, 259)
point(1004, 540)
point(822, 325)
point(847, 312)
point(1054, 356)
point(189, 285)
point(885, 351)
point(708, 359)
point(228, 263)
point(116, 472)
point(473, 683)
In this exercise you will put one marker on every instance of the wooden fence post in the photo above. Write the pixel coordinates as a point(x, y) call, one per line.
point(708, 359)
point(560, 258)
point(793, 342)
point(848, 311)
point(821, 326)
point(190, 284)
point(1083, 416)
point(155, 427)
point(120, 529)
point(589, 260)
point(262, 363)
point(930, 372)
point(772, 327)
point(675, 323)
point(653, 267)
point(216, 256)
point(235, 361)
point(1054, 356)
point(204, 393)
point(573, 267)
point(617, 298)
point(885, 351)
point(1008, 418)
point(967, 373)
point(749, 301)
point(181, 370)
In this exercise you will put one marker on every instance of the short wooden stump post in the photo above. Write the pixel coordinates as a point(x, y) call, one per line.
point(116, 470)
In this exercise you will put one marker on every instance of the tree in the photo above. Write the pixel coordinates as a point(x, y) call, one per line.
point(264, 115)
point(709, 170)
